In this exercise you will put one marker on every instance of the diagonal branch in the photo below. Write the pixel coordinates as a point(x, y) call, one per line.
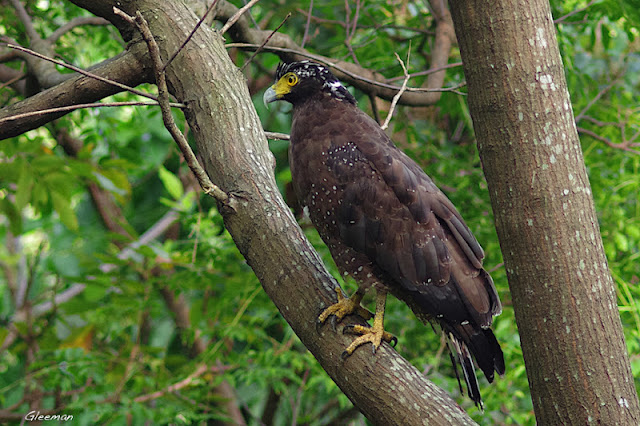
point(400, 92)
point(237, 16)
point(163, 98)
point(266, 40)
point(345, 69)
point(362, 78)
point(187, 381)
point(193, 31)
point(76, 22)
point(83, 72)
point(81, 106)
point(26, 20)
point(125, 68)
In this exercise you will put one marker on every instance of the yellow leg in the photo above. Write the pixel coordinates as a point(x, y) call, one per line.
point(345, 306)
point(374, 335)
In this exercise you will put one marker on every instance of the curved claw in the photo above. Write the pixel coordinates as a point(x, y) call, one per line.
point(348, 329)
point(333, 321)
point(394, 341)
point(343, 307)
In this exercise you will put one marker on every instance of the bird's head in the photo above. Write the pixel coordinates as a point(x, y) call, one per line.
point(299, 81)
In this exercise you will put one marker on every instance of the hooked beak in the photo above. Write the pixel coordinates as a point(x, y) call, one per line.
point(269, 96)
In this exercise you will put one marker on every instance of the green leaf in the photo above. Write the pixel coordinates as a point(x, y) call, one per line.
point(94, 293)
point(622, 243)
point(15, 218)
point(171, 183)
point(631, 10)
point(63, 207)
point(633, 231)
point(60, 182)
point(25, 183)
point(108, 184)
point(39, 197)
point(46, 163)
point(81, 168)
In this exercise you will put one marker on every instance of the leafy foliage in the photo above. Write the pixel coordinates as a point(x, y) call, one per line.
point(110, 353)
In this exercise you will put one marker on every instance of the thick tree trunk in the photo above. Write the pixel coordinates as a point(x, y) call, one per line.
point(563, 294)
point(230, 139)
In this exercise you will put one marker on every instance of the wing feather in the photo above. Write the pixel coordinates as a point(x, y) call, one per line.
point(394, 213)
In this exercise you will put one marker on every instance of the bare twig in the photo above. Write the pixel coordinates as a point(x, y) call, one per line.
point(83, 72)
point(9, 82)
point(306, 27)
point(150, 234)
point(59, 299)
point(26, 20)
point(163, 99)
point(81, 106)
point(495, 268)
point(350, 28)
point(187, 381)
point(193, 31)
point(573, 12)
point(266, 40)
point(394, 102)
point(622, 146)
point(427, 72)
point(289, 50)
point(277, 136)
point(237, 16)
point(332, 64)
point(601, 123)
point(375, 27)
point(76, 22)
point(596, 98)
point(295, 404)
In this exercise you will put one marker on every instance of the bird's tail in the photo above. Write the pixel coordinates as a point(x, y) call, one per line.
point(466, 340)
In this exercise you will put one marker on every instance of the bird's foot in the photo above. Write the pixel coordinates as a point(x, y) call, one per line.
point(374, 335)
point(345, 306)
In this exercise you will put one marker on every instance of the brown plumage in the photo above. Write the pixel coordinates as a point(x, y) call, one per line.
point(385, 221)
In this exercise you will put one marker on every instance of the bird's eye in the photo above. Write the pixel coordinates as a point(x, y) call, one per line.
point(292, 79)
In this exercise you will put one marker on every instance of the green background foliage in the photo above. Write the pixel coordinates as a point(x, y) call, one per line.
point(117, 341)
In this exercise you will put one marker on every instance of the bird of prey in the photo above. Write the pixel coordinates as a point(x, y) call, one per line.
point(385, 223)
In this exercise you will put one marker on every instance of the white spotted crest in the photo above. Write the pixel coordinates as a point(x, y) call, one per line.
point(308, 69)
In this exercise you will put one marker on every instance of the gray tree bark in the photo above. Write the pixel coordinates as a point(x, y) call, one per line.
point(563, 294)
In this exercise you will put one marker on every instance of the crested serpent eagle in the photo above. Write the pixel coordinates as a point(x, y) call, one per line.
point(385, 222)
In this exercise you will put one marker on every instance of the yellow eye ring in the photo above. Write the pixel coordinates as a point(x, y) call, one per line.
point(292, 79)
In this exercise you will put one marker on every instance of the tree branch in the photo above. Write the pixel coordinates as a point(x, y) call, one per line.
point(623, 146)
point(125, 68)
point(234, 18)
point(26, 20)
point(70, 108)
point(187, 381)
point(361, 78)
point(399, 94)
point(208, 187)
point(74, 23)
point(83, 72)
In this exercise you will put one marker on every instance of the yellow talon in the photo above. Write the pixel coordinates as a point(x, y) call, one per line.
point(374, 335)
point(345, 306)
